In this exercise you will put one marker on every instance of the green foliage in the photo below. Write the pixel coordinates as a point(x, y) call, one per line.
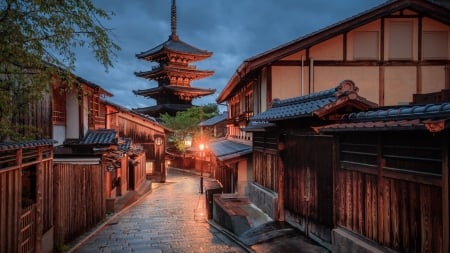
point(36, 36)
point(186, 123)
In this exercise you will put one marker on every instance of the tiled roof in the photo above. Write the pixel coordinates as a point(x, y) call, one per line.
point(403, 112)
point(257, 126)
point(312, 104)
point(100, 137)
point(226, 149)
point(25, 144)
point(193, 73)
point(431, 117)
point(214, 120)
point(174, 45)
point(162, 108)
point(124, 144)
point(191, 91)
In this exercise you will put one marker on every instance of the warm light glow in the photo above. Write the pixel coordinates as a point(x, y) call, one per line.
point(158, 140)
point(188, 141)
point(202, 146)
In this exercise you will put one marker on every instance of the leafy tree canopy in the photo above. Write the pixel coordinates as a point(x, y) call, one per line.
point(38, 39)
point(185, 123)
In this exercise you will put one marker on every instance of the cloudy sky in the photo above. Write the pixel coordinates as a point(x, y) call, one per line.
point(233, 30)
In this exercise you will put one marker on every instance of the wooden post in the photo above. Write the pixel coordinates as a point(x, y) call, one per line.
point(281, 215)
point(445, 194)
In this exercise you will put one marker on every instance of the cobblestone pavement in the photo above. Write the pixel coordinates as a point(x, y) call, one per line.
point(170, 219)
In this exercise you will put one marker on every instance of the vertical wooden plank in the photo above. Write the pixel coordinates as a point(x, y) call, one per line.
point(375, 203)
point(445, 190)
point(395, 219)
point(414, 217)
point(404, 216)
point(281, 195)
point(354, 200)
point(425, 218)
point(361, 201)
point(342, 192)
point(436, 219)
point(368, 218)
point(348, 200)
point(387, 213)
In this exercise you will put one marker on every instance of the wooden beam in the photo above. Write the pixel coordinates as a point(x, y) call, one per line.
point(445, 194)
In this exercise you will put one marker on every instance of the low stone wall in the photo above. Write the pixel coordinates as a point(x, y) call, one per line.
point(345, 241)
point(264, 199)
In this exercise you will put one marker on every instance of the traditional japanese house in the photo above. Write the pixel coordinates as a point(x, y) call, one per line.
point(391, 179)
point(26, 196)
point(76, 109)
point(292, 166)
point(173, 74)
point(144, 131)
point(215, 127)
point(88, 176)
point(392, 51)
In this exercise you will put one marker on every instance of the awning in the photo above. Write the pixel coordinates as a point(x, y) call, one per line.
point(226, 150)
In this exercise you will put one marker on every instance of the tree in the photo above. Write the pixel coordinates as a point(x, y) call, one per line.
point(186, 123)
point(38, 40)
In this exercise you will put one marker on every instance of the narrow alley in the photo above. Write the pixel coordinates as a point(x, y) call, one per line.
point(170, 219)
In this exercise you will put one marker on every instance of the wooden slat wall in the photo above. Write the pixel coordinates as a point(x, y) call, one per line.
point(10, 210)
point(410, 219)
point(79, 199)
point(396, 201)
point(139, 170)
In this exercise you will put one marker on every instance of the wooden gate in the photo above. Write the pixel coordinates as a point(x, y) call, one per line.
point(27, 229)
point(308, 175)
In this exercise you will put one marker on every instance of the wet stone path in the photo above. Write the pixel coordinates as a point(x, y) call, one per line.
point(170, 219)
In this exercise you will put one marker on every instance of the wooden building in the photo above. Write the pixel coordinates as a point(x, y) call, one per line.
point(392, 51)
point(373, 180)
point(76, 110)
point(143, 130)
point(26, 196)
point(368, 48)
point(173, 74)
point(391, 182)
point(292, 166)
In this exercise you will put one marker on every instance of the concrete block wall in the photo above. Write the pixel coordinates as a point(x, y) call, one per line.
point(264, 199)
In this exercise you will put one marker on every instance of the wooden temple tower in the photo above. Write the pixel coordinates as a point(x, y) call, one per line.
point(173, 74)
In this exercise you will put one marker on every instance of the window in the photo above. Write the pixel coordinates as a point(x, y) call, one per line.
point(401, 40)
point(365, 45)
point(435, 45)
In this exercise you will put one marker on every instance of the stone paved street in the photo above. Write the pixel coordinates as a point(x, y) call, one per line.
point(170, 219)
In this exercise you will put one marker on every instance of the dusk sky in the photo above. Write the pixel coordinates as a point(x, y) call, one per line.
point(233, 30)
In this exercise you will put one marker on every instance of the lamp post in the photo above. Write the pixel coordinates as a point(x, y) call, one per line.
point(162, 166)
point(202, 147)
point(187, 144)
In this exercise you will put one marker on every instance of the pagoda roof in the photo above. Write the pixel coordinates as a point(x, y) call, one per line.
point(155, 110)
point(174, 89)
point(192, 71)
point(174, 45)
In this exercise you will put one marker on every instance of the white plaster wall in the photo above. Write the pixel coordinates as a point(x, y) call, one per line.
point(59, 134)
point(73, 116)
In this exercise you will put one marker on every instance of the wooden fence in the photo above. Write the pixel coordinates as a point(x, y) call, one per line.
point(389, 189)
point(26, 200)
point(80, 203)
point(139, 170)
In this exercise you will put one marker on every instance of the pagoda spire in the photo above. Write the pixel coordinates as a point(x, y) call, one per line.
point(173, 21)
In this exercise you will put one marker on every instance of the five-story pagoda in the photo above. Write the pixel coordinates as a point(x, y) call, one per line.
point(173, 74)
